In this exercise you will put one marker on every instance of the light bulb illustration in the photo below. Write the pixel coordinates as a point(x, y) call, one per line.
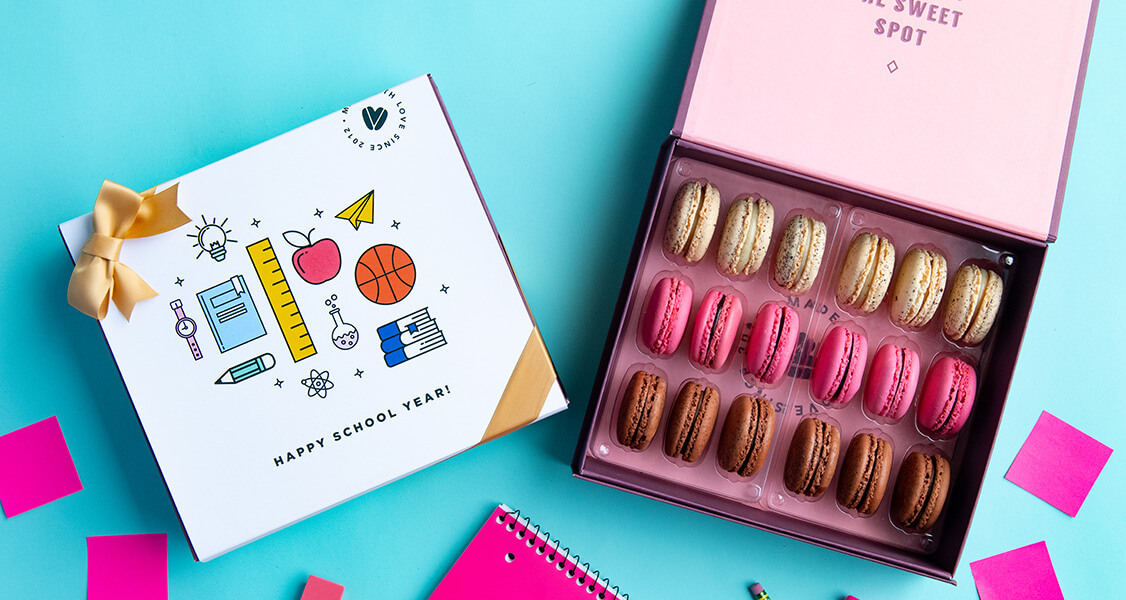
point(212, 239)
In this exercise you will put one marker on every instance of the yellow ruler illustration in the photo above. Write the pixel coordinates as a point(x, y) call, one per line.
point(281, 300)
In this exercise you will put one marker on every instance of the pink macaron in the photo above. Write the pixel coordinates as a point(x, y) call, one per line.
point(666, 315)
point(717, 326)
point(839, 366)
point(773, 338)
point(892, 381)
point(947, 398)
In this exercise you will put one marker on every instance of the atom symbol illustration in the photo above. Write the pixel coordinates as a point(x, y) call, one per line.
point(318, 383)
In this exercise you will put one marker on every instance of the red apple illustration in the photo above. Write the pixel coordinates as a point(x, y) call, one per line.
point(316, 262)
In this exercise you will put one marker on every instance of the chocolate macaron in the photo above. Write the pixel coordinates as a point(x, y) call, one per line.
point(746, 436)
point(865, 473)
point(812, 458)
point(642, 404)
point(692, 420)
point(920, 491)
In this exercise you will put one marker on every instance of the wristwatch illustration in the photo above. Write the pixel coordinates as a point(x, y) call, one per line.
point(185, 327)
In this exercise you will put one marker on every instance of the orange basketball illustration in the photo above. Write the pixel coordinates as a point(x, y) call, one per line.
point(385, 274)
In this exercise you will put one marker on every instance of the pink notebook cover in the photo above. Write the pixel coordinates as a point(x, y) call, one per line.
point(511, 559)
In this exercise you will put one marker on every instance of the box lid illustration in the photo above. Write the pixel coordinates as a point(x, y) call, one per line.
point(967, 108)
point(338, 314)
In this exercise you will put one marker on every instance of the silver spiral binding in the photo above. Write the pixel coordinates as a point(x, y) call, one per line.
point(594, 584)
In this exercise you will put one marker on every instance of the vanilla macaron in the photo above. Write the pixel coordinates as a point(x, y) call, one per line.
point(692, 220)
point(866, 272)
point(799, 254)
point(972, 305)
point(746, 236)
point(918, 288)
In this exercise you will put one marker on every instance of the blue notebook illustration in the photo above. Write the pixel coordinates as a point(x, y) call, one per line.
point(231, 313)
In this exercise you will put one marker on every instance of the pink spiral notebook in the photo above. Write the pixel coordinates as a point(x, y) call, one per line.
point(511, 559)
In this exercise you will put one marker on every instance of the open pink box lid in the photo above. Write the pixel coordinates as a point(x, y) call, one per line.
point(973, 119)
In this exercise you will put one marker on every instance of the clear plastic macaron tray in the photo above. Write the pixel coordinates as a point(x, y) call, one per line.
point(818, 311)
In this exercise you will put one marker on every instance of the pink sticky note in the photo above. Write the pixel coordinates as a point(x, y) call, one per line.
point(127, 567)
point(1058, 463)
point(1024, 573)
point(322, 589)
point(35, 467)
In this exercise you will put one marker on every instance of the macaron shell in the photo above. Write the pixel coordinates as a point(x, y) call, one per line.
point(692, 421)
point(682, 217)
point(642, 404)
point(936, 286)
point(965, 294)
point(716, 327)
point(859, 265)
point(838, 368)
point(865, 473)
point(987, 309)
point(812, 264)
point(705, 224)
point(747, 433)
point(774, 336)
point(881, 280)
point(702, 326)
point(666, 315)
point(892, 381)
point(812, 458)
point(764, 229)
point(920, 491)
point(727, 329)
point(746, 236)
point(827, 461)
point(918, 288)
point(786, 342)
point(799, 254)
point(975, 296)
point(856, 365)
point(947, 397)
point(866, 272)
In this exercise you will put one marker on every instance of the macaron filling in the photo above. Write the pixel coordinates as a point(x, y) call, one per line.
point(845, 371)
point(690, 434)
point(806, 246)
point(897, 392)
point(869, 272)
point(866, 486)
point(641, 416)
point(960, 396)
point(861, 497)
point(747, 239)
point(718, 319)
point(675, 299)
point(922, 504)
point(773, 361)
point(820, 461)
point(756, 425)
point(936, 284)
point(980, 303)
point(861, 291)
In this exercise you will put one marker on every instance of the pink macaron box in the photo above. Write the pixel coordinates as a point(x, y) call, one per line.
point(843, 126)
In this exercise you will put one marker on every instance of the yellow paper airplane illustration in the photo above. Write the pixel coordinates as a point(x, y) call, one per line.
point(360, 211)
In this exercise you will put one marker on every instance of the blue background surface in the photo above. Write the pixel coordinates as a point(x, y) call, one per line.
point(561, 108)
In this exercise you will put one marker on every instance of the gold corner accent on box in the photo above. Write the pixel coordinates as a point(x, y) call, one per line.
point(526, 392)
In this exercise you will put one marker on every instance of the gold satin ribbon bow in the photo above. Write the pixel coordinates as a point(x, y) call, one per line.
point(119, 214)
